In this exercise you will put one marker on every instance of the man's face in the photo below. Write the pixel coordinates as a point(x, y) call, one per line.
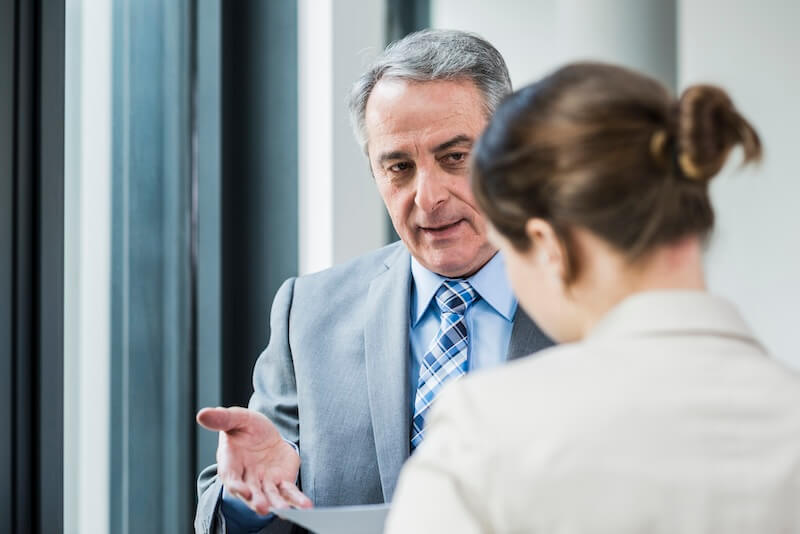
point(419, 137)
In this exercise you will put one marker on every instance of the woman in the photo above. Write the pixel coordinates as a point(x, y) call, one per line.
point(660, 412)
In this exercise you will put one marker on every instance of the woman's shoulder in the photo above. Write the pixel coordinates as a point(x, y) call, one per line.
point(544, 366)
point(496, 397)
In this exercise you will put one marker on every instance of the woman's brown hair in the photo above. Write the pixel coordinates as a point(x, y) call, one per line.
point(610, 150)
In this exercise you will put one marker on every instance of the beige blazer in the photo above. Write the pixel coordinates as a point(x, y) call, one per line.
point(668, 418)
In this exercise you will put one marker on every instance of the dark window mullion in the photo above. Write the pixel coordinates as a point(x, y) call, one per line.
point(31, 255)
point(7, 34)
point(24, 291)
point(50, 272)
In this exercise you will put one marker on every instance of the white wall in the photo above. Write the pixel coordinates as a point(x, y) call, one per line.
point(636, 33)
point(360, 221)
point(315, 135)
point(537, 36)
point(341, 213)
point(751, 47)
point(524, 31)
point(748, 46)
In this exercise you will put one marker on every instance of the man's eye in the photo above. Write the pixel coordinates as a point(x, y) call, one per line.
point(455, 157)
point(400, 167)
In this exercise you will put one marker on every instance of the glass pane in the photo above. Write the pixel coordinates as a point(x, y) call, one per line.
point(129, 358)
point(87, 264)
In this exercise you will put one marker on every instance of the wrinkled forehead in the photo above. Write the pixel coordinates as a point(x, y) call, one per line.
point(411, 116)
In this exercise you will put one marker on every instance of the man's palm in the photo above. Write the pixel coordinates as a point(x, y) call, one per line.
point(253, 461)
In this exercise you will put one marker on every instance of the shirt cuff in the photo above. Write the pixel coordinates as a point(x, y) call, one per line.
point(239, 519)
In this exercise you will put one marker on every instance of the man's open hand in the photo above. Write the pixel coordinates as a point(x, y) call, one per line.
point(253, 461)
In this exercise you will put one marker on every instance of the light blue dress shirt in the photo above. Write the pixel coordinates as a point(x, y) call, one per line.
point(487, 347)
point(489, 320)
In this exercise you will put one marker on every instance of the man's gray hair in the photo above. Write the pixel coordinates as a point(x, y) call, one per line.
point(431, 55)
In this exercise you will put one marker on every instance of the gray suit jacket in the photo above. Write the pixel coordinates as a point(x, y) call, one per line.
point(334, 379)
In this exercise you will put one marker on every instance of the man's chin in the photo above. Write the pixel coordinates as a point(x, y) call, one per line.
point(453, 266)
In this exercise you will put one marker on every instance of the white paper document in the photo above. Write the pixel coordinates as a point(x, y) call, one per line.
point(368, 519)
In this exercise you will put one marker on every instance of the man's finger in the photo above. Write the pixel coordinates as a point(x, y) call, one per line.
point(239, 489)
point(259, 503)
point(274, 496)
point(293, 495)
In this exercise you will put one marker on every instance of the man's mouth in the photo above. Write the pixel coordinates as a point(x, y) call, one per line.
point(442, 228)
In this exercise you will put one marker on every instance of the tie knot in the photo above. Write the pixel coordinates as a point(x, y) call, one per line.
point(455, 296)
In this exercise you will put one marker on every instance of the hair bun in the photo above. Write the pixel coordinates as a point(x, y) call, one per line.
point(708, 128)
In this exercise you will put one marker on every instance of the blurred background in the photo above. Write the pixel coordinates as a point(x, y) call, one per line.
point(167, 164)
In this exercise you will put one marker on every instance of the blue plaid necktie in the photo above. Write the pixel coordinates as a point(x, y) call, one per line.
point(447, 356)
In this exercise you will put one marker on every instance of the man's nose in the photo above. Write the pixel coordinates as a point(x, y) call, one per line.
point(431, 189)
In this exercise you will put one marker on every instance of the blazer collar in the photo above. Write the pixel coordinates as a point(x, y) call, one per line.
point(526, 337)
point(673, 312)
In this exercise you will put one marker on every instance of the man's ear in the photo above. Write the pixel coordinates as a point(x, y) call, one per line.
point(547, 249)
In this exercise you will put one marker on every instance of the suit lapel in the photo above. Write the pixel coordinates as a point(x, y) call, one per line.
point(386, 349)
point(526, 337)
point(387, 356)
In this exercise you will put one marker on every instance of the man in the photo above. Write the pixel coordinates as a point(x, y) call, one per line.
point(358, 352)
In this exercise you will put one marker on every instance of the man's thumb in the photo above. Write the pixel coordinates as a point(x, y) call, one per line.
point(221, 419)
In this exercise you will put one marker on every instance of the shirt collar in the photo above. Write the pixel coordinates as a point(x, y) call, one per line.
point(490, 282)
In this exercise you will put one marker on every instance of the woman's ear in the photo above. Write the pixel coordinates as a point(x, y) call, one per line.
point(547, 250)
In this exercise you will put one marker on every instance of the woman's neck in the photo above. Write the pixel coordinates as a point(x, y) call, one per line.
point(678, 266)
point(673, 267)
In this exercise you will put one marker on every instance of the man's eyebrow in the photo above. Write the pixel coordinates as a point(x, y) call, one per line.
point(391, 156)
point(462, 139)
